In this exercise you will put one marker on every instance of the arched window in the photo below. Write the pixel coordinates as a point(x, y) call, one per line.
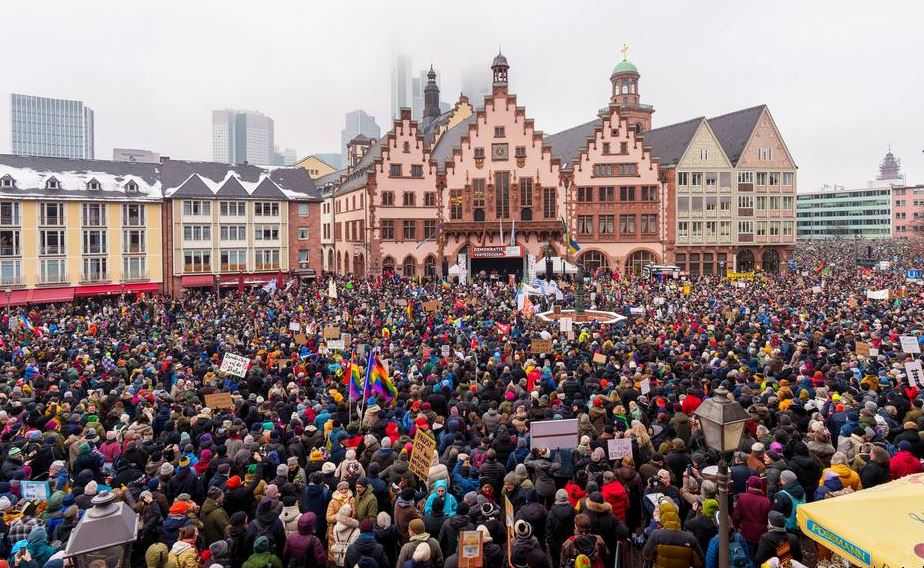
point(409, 266)
point(638, 260)
point(430, 267)
point(771, 262)
point(625, 86)
point(388, 265)
point(339, 264)
point(744, 261)
point(330, 260)
point(592, 260)
point(638, 128)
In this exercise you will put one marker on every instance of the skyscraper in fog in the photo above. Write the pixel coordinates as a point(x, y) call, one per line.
point(355, 123)
point(240, 136)
point(56, 128)
point(401, 85)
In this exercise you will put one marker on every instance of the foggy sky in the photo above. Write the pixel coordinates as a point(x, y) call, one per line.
point(842, 79)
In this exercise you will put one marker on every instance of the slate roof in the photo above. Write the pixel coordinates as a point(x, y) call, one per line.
point(31, 173)
point(357, 177)
point(668, 143)
point(567, 143)
point(182, 178)
point(734, 130)
point(450, 139)
point(327, 183)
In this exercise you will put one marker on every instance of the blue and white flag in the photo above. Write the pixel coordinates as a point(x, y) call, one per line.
point(270, 286)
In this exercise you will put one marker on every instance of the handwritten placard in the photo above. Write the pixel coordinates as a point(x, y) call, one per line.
point(235, 365)
point(910, 344)
point(599, 358)
point(541, 346)
point(331, 332)
point(618, 448)
point(219, 400)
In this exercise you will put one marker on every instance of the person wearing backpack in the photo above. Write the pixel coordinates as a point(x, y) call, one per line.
point(738, 556)
point(777, 542)
point(365, 545)
point(303, 548)
point(344, 531)
point(269, 525)
point(263, 556)
point(669, 546)
point(788, 499)
point(583, 542)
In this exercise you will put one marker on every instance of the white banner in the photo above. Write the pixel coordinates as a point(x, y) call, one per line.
point(294, 326)
point(915, 373)
point(910, 344)
point(332, 290)
point(235, 365)
point(531, 268)
point(565, 324)
point(877, 294)
point(335, 344)
point(646, 386)
point(619, 448)
point(637, 310)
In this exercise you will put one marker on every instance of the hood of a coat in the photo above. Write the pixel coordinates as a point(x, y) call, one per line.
point(306, 523)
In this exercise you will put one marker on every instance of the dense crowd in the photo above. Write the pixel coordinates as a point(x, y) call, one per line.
point(108, 396)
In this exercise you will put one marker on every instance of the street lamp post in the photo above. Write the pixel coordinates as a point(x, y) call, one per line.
point(722, 422)
point(215, 280)
point(7, 293)
point(104, 536)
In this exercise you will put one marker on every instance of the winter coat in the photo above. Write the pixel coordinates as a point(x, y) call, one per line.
point(267, 524)
point(750, 515)
point(770, 543)
point(214, 522)
point(183, 555)
point(289, 518)
point(449, 501)
point(542, 470)
point(344, 529)
point(263, 560)
point(615, 494)
point(559, 525)
point(903, 463)
point(333, 507)
point(849, 477)
point(366, 545)
point(367, 506)
point(407, 551)
point(315, 500)
point(449, 532)
point(405, 512)
point(304, 546)
point(172, 526)
point(875, 473)
point(670, 547)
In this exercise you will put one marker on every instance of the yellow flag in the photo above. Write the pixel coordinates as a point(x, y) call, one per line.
point(686, 289)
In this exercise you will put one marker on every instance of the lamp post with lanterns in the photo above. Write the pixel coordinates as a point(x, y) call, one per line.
point(722, 422)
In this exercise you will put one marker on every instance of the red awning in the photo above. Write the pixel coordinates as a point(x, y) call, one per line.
point(98, 290)
point(143, 287)
point(48, 295)
point(17, 298)
point(194, 281)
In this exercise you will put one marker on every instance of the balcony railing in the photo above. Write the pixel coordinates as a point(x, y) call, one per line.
point(95, 277)
point(263, 266)
point(9, 251)
point(9, 220)
point(60, 278)
point(136, 275)
point(13, 280)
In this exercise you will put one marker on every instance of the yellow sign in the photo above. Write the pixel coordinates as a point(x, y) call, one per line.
point(686, 289)
point(740, 275)
point(422, 455)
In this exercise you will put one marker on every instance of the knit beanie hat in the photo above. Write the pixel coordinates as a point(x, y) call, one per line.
point(282, 469)
point(262, 544)
point(788, 476)
point(417, 526)
point(166, 469)
point(485, 533)
point(523, 529)
point(561, 497)
point(776, 519)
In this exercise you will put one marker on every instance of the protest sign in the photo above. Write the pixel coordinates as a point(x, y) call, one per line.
point(541, 346)
point(636, 310)
point(862, 348)
point(294, 326)
point(331, 332)
point(221, 399)
point(301, 339)
point(877, 294)
point(335, 344)
point(444, 350)
point(910, 344)
point(422, 455)
point(235, 365)
point(401, 302)
point(915, 374)
point(599, 358)
point(553, 434)
point(873, 352)
point(619, 448)
point(565, 324)
point(432, 305)
point(346, 338)
point(470, 549)
point(40, 490)
point(646, 386)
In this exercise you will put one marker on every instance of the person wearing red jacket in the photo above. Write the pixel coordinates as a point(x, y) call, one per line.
point(615, 494)
point(750, 514)
point(903, 462)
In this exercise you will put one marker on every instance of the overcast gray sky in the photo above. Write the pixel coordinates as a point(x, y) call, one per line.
point(843, 79)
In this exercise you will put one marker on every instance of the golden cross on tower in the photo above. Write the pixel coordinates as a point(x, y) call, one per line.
point(624, 50)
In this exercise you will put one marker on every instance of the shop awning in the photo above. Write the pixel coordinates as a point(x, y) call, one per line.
point(195, 280)
point(48, 295)
point(880, 526)
point(17, 298)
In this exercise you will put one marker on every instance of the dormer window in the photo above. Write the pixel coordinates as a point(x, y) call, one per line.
point(93, 185)
point(6, 182)
point(131, 187)
point(52, 183)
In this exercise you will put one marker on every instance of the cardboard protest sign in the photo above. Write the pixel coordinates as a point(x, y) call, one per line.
point(235, 365)
point(565, 324)
point(915, 374)
point(301, 339)
point(335, 344)
point(910, 344)
point(553, 434)
point(646, 386)
point(877, 294)
point(422, 455)
point(294, 326)
point(219, 400)
point(432, 305)
point(862, 348)
point(599, 358)
point(541, 346)
point(331, 332)
point(470, 549)
point(618, 448)
point(444, 351)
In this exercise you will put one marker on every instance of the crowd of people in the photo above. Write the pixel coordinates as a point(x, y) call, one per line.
point(107, 397)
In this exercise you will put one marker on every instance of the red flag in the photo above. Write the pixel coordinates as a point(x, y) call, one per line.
point(503, 328)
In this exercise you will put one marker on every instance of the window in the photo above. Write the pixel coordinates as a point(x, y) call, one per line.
point(302, 209)
point(725, 203)
point(774, 203)
point(585, 194)
point(417, 171)
point(408, 266)
point(520, 152)
point(233, 260)
point(239, 208)
point(725, 180)
point(303, 256)
point(683, 205)
point(548, 202)
point(649, 193)
point(478, 192)
point(430, 198)
point(761, 178)
point(479, 153)
point(627, 224)
point(406, 147)
point(133, 268)
point(9, 243)
point(197, 261)
point(52, 183)
point(429, 229)
point(455, 204)
point(703, 154)
point(409, 229)
point(132, 215)
point(745, 227)
point(773, 178)
point(607, 224)
point(787, 228)
point(197, 208)
point(52, 270)
point(197, 232)
point(696, 229)
point(131, 187)
point(725, 229)
point(133, 241)
point(615, 170)
point(585, 224)
point(388, 198)
point(650, 224)
point(711, 203)
point(606, 194)
point(623, 147)
point(696, 179)
point(774, 228)
point(266, 209)
point(683, 229)
point(52, 214)
point(303, 233)
point(787, 179)
point(710, 229)
point(94, 242)
point(499, 132)
point(388, 229)
point(606, 147)
point(761, 229)
point(266, 259)
point(683, 178)
point(51, 242)
point(233, 233)
point(745, 177)
point(408, 199)
point(266, 232)
point(745, 202)
point(95, 269)
point(6, 182)
point(94, 214)
point(502, 195)
point(526, 192)
point(761, 202)
point(627, 193)
point(394, 170)
point(787, 203)
point(711, 179)
point(765, 154)
point(9, 214)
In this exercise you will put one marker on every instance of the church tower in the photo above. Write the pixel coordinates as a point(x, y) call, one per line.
point(499, 67)
point(431, 95)
point(626, 97)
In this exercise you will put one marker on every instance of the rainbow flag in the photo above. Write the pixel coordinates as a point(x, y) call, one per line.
point(410, 311)
point(358, 387)
point(378, 379)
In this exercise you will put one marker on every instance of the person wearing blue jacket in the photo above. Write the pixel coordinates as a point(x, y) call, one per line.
point(441, 489)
